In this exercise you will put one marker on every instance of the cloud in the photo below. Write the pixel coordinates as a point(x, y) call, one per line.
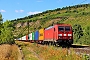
point(16, 11)
point(32, 13)
point(19, 11)
point(2, 11)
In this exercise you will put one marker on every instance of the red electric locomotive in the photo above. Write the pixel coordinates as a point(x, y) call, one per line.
point(59, 33)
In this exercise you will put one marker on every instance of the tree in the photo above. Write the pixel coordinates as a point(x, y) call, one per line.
point(87, 35)
point(78, 32)
point(0, 22)
point(6, 33)
point(88, 30)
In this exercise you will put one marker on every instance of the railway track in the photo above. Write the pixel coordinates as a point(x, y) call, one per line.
point(84, 49)
point(79, 49)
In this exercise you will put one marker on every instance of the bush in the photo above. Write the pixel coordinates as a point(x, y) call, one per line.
point(6, 36)
point(78, 32)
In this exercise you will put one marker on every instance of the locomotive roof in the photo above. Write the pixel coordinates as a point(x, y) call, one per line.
point(64, 24)
point(49, 27)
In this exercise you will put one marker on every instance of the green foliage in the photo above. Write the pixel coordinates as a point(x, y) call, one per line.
point(86, 57)
point(87, 35)
point(0, 22)
point(6, 36)
point(78, 32)
point(88, 30)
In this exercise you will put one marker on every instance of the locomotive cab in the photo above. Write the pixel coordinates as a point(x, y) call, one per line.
point(65, 34)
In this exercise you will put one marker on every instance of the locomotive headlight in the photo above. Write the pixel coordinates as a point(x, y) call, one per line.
point(69, 34)
point(59, 34)
point(64, 34)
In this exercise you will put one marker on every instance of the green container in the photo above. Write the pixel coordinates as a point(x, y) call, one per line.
point(33, 36)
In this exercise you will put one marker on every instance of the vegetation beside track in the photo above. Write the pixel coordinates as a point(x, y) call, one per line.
point(48, 52)
point(6, 29)
point(27, 54)
point(9, 52)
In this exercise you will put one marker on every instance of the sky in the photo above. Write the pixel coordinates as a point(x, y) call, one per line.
point(13, 9)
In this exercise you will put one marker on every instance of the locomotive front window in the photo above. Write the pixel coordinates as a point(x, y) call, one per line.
point(61, 28)
point(67, 28)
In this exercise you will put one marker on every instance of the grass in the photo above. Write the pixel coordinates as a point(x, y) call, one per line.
point(9, 52)
point(27, 54)
point(49, 52)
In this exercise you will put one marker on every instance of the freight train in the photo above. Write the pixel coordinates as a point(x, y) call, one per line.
point(58, 34)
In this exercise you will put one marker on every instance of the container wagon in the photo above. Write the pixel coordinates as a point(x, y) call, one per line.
point(41, 35)
point(36, 35)
point(30, 36)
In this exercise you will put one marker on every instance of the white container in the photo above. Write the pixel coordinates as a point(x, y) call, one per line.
point(24, 38)
point(30, 36)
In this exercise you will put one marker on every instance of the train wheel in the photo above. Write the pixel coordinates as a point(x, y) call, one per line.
point(53, 43)
point(43, 43)
point(48, 42)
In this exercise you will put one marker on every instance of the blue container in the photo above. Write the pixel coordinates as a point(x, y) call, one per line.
point(36, 35)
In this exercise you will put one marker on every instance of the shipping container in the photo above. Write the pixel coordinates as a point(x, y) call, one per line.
point(30, 36)
point(24, 38)
point(41, 34)
point(19, 38)
point(36, 35)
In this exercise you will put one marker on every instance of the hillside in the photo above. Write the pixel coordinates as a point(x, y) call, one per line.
point(78, 16)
